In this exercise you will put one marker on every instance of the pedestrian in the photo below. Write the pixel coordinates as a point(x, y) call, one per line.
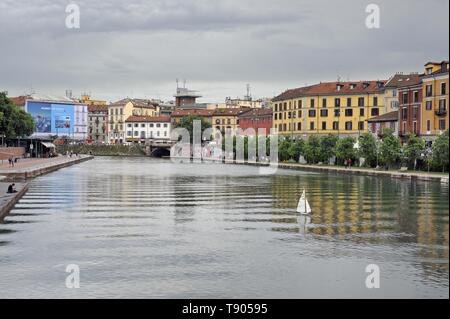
point(345, 163)
point(12, 188)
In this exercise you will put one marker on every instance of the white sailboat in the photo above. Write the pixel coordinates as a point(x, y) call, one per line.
point(303, 205)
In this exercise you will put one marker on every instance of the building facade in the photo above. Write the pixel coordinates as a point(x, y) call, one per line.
point(386, 121)
point(98, 124)
point(256, 119)
point(141, 128)
point(435, 86)
point(179, 114)
point(341, 108)
point(227, 119)
point(121, 110)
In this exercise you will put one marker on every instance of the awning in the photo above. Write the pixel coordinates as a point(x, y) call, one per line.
point(48, 144)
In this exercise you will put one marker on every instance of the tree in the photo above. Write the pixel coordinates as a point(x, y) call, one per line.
point(188, 123)
point(312, 149)
point(390, 149)
point(328, 147)
point(368, 149)
point(14, 122)
point(296, 149)
point(414, 149)
point(440, 151)
point(283, 148)
point(345, 149)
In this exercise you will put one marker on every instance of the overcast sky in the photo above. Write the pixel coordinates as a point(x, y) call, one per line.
point(139, 48)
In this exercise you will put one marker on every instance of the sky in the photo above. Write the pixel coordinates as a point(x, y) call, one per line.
point(138, 48)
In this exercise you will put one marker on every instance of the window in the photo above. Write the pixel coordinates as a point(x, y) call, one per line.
point(129, 133)
point(312, 113)
point(151, 125)
point(428, 105)
point(276, 116)
point(312, 103)
point(405, 98)
point(324, 102)
point(361, 112)
point(284, 127)
point(405, 113)
point(348, 112)
point(158, 125)
point(300, 103)
point(324, 125)
point(428, 125)
point(442, 125)
point(285, 106)
point(299, 126)
point(311, 126)
point(136, 133)
point(361, 125)
point(349, 102)
point(415, 113)
point(360, 101)
point(136, 125)
point(129, 125)
point(336, 125)
point(276, 107)
point(289, 115)
point(375, 101)
point(299, 113)
point(416, 96)
point(348, 126)
point(443, 88)
point(415, 127)
point(374, 112)
point(337, 102)
point(142, 125)
point(323, 113)
point(337, 112)
point(442, 105)
point(429, 90)
point(166, 125)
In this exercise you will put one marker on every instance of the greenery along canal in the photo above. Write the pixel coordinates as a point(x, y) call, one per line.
point(140, 227)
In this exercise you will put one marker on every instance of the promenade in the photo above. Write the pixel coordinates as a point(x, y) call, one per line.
point(29, 168)
point(7, 201)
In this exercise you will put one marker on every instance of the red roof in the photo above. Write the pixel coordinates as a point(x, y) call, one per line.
point(388, 117)
point(135, 118)
point(19, 101)
point(192, 112)
point(230, 112)
point(97, 108)
point(333, 88)
point(257, 113)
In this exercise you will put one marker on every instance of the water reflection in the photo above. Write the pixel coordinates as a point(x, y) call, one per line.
point(223, 230)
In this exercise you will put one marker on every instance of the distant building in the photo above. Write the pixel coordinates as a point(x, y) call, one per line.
point(410, 107)
point(341, 108)
point(179, 114)
point(227, 119)
point(243, 103)
point(185, 96)
point(98, 124)
point(57, 116)
point(141, 128)
point(20, 101)
point(435, 87)
point(256, 119)
point(119, 111)
point(386, 121)
point(86, 99)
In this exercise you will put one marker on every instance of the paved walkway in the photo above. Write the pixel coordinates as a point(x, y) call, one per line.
point(27, 164)
point(7, 201)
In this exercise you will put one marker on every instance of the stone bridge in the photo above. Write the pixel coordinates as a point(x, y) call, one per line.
point(158, 148)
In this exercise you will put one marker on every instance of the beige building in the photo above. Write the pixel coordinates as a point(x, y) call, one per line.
point(98, 124)
point(119, 111)
point(227, 119)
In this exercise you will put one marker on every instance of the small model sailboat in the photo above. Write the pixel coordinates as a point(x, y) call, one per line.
point(303, 205)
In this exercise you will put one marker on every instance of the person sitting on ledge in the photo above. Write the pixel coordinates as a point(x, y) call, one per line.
point(12, 188)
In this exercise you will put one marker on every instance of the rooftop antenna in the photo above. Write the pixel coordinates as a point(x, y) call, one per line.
point(248, 92)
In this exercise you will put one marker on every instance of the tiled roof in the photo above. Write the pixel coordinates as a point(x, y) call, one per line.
point(192, 112)
point(331, 88)
point(388, 117)
point(135, 118)
point(19, 100)
point(230, 112)
point(136, 103)
point(97, 108)
point(256, 113)
point(400, 80)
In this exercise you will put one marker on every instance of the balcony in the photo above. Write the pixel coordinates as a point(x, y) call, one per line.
point(441, 112)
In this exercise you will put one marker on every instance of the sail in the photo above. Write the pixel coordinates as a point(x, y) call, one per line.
point(303, 205)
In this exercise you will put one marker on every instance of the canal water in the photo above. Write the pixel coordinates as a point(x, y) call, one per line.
point(147, 228)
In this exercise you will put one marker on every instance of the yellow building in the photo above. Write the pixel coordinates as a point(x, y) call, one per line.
point(227, 119)
point(435, 99)
point(341, 108)
point(86, 99)
point(119, 111)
